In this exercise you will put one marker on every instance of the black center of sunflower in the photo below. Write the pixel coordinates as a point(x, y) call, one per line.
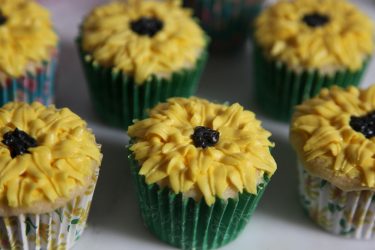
point(3, 18)
point(315, 19)
point(364, 124)
point(146, 26)
point(204, 137)
point(18, 142)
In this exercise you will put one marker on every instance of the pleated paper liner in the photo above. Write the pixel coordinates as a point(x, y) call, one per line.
point(118, 100)
point(33, 86)
point(278, 89)
point(349, 214)
point(59, 229)
point(226, 22)
point(187, 224)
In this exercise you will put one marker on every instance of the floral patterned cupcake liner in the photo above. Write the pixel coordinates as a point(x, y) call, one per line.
point(59, 229)
point(349, 214)
point(278, 89)
point(187, 224)
point(118, 100)
point(226, 22)
point(33, 86)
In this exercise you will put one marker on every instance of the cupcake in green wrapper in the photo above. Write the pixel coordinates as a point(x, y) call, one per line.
point(28, 52)
point(200, 169)
point(226, 21)
point(302, 46)
point(138, 53)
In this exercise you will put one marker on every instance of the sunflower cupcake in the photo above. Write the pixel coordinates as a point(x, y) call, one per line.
point(28, 52)
point(200, 170)
point(302, 46)
point(138, 53)
point(333, 135)
point(226, 21)
point(48, 170)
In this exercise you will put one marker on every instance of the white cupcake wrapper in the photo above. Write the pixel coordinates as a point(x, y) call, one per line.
point(349, 214)
point(59, 229)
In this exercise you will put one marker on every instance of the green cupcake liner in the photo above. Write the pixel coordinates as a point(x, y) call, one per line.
point(188, 224)
point(118, 100)
point(279, 89)
point(226, 22)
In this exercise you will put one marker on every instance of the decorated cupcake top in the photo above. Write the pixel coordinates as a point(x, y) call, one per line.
point(143, 38)
point(47, 156)
point(197, 147)
point(325, 35)
point(27, 37)
point(334, 135)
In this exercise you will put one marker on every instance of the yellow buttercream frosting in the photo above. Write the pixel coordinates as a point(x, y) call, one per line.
point(64, 160)
point(164, 148)
point(343, 41)
point(108, 38)
point(328, 145)
point(26, 36)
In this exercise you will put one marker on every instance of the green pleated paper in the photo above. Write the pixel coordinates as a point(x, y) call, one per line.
point(187, 224)
point(226, 22)
point(118, 100)
point(279, 89)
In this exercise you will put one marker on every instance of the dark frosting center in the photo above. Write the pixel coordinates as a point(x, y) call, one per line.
point(315, 19)
point(205, 137)
point(147, 26)
point(3, 19)
point(364, 124)
point(18, 142)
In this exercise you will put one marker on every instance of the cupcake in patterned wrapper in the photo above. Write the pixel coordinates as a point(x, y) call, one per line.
point(333, 135)
point(200, 169)
point(28, 52)
point(302, 46)
point(138, 53)
point(227, 22)
point(48, 171)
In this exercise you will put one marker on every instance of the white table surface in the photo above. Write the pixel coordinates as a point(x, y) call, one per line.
point(115, 222)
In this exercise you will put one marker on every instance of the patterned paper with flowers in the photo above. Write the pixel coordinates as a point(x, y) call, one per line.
point(350, 214)
point(58, 230)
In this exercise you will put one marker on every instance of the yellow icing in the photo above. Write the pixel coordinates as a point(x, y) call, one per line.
point(110, 41)
point(62, 162)
point(344, 42)
point(26, 38)
point(326, 142)
point(164, 148)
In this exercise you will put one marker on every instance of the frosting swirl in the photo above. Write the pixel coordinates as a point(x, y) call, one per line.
point(114, 37)
point(164, 147)
point(26, 36)
point(62, 161)
point(324, 132)
point(326, 35)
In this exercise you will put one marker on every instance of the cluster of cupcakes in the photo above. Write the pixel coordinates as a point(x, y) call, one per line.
point(200, 168)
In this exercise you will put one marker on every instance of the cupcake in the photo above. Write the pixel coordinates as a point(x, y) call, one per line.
point(333, 135)
point(28, 52)
point(302, 46)
point(200, 169)
point(138, 53)
point(48, 170)
point(226, 21)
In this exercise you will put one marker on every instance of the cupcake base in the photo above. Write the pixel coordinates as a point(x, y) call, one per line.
point(349, 214)
point(278, 89)
point(59, 229)
point(187, 224)
point(36, 86)
point(226, 22)
point(118, 100)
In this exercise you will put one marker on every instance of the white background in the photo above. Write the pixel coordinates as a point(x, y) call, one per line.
point(114, 221)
